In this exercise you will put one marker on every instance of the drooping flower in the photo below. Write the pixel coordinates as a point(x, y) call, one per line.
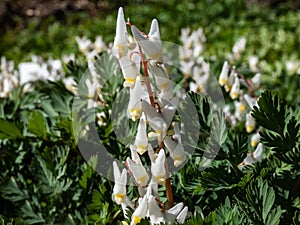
point(252, 158)
point(119, 191)
point(120, 47)
point(158, 167)
point(230, 80)
point(154, 211)
point(176, 150)
point(151, 46)
point(176, 213)
point(138, 171)
point(137, 94)
point(255, 139)
point(129, 70)
point(255, 81)
point(140, 212)
point(223, 78)
point(141, 140)
point(235, 90)
point(250, 123)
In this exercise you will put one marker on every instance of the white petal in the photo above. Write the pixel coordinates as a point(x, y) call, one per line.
point(182, 215)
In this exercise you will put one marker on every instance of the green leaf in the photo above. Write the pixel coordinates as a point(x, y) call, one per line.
point(271, 112)
point(37, 124)
point(30, 216)
point(12, 192)
point(9, 130)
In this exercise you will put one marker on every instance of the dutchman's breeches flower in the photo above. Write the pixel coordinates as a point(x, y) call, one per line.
point(250, 123)
point(140, 212)
point(130, 71)
point(141, 140)
point(139, 172)
point(120, 47)
point(158, 167)
point(176, 150)
point(150, 108)
point(224, 74)
point(119, 192)
point(152, 46)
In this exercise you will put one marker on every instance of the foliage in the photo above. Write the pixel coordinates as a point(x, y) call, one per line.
point(44, 179)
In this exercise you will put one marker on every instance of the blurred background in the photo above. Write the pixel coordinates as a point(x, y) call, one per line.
point(49, 27)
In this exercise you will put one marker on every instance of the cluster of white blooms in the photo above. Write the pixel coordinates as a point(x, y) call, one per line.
point(192, 63)
point(36, 69)
point(151, 110)
point(91, 49)
point(8, 77)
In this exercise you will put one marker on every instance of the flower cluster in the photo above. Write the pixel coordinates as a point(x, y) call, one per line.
point(155, 111)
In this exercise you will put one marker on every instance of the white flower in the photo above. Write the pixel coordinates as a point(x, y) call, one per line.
point(154, 211)
point(240, 108)
point(250, 101)
point(92, 87)
point(99, 44)
point(29, 71)
point(130, 71)
point(140, 212)
point(253, 61)
point(182, 215)
point(176, 150)
point(141, 140)
point(250, 123)
point(152, 47)
point(255, 139)
point(252, 158)
point(158, 168)
point(119, 191)
point(137, 94)
point(230, 80)
point(176, 213)
point(162, 79)
point(255, 81)
point(138, 171)
point(235, 90)
point(120, 47)
point(70, 84)
point(84, 44)
point(239, 46)
point(223, 78)
point(7, 88)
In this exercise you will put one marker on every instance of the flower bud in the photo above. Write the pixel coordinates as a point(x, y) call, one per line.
point(224, 74)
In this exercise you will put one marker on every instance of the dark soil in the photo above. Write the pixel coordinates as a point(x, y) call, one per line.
point(14, 11)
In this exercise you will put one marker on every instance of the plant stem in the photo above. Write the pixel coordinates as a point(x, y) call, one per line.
point(147, 81)
point(169, 191)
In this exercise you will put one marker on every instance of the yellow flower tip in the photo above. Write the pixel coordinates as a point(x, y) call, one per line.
point(254, 143)
point(222, 82)
point(136, 220)
point(154, 134)
point(177, 163)
point(124, 223)
point(160, 179)
point(249, 128)
point(227, 87)
point(142, 179)
point(200, 88)
point(119, 198)
point(135, 114)
point(163, 86)
point(234, 95)
point(120, 47)
point(129, 82)
point(170, 132)
point(154, 56)
point(242, 108)
point(141, 149)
